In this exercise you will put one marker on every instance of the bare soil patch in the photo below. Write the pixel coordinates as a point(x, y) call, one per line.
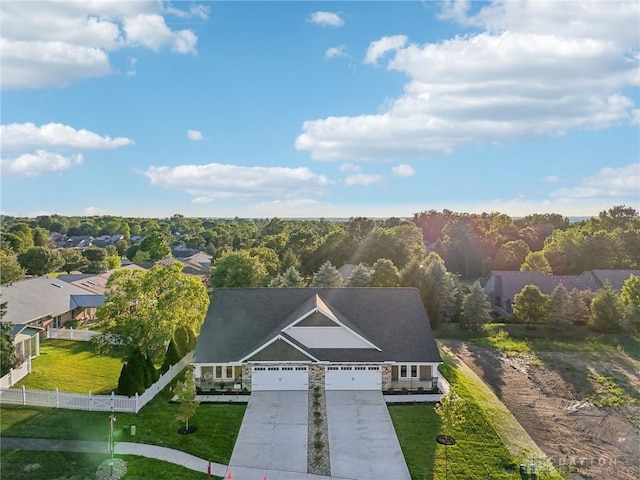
point(550, 398)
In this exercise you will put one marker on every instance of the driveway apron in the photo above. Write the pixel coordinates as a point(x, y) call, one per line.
point(273, 434)
point(362, 441)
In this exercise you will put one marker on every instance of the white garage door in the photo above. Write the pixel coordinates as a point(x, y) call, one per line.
point(349, 377)
point(280, 378)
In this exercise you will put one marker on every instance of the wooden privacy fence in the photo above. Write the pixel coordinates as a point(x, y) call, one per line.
point(96, 403)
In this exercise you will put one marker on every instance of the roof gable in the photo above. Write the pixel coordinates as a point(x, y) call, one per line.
point(279, 349)
point(373, 324)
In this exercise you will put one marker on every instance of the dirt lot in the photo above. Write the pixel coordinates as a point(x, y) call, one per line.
point(549, 397)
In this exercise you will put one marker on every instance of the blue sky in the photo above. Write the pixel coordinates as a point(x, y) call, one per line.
point(319, 109)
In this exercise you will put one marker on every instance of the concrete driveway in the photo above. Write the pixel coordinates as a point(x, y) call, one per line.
point(362, 441)
point(273, 434)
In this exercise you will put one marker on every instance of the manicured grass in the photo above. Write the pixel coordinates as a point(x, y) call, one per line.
point(23, 464)
point(217, 426)
point(72, 367)
point(480, 451)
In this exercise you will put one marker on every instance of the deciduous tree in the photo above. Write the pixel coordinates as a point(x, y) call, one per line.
point(531, 305)
point(535, 262)
point(238, 269)
point(73, 260)
point(186, 396)
point(143, 308)
point(385, 274)
point(630, 296)
point(40, 260)
point(10, 269)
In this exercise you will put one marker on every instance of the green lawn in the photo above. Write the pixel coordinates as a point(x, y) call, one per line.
point(22, 464)
point(72, 367)
point(480, 451)
point(156, 424)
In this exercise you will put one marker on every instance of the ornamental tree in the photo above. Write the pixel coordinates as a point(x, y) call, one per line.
point(531, 305)
point(143, 308)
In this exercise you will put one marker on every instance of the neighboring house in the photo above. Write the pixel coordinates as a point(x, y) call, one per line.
point(36, 303)
point(502, 286)
point(197, 264)
point(105, 240)
point(96, 284)
point(79, 241)
point(182, 251)
point(340, 338)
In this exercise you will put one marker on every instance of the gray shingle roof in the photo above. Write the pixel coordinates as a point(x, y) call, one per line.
point(240, 320)
point(37, 297)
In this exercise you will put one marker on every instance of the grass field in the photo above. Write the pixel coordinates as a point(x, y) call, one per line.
point(72, 367)
point(482, 440)
point(156, 424)
point(23, 465)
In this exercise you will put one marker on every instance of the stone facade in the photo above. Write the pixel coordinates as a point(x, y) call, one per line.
point(246, 376)
point(316, 376)
point(386, 377)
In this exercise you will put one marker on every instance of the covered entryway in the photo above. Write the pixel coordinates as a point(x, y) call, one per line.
point(353, 377)
point(279, 378)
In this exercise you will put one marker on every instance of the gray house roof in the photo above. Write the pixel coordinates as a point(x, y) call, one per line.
point(241, 320)
point(506, 284)
point(38, 297)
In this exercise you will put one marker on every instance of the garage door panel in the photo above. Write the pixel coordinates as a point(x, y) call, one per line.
point(279, 378)
point(353, 378)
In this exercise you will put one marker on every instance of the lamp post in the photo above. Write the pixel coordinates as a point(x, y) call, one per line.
point(446, 440)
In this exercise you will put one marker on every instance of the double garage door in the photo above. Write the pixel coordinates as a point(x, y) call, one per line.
point(280, 378)
point(343, 377)
point(350, 377)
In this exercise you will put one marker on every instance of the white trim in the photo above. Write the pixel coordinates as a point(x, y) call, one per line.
point(265, 345)
point(408, 370)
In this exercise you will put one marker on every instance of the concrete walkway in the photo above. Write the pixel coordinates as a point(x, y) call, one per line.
point(160, 453)
point(362, 441)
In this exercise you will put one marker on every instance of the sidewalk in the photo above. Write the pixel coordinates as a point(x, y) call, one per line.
point(160, 453)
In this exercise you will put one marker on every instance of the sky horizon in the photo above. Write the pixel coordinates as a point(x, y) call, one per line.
point(319, 109)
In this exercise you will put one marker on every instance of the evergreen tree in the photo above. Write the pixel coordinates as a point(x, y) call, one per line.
point(606, 310)
point(327, 276)
point(7, 349)
point(630, 296)
point(171, 357)
point(577, 310)
point(476, 308)
point(360, 277)
point(438, 291)
point(291, 278)
point(559, 305)
point(412, 274)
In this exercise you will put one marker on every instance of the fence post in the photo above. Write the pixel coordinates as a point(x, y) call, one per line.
point(11, 377)
point(24, 396)
point(29, 364)
point(136, 402)
point(57, 398)
point(90, 401)
point(113, 401)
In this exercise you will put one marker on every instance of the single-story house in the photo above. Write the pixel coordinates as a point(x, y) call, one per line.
point(336, 338)
point(94, 283)
point(35, 303)
point(501, 286)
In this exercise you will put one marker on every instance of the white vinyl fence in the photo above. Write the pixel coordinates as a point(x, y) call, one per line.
point(16, 374)
point(71, 334)
point(100, 403)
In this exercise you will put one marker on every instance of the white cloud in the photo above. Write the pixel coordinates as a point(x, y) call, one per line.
point(39, 163)
point(194, 135)
point(326, 19)
point(362, 179)
point(202, 200)
point(221, 181)
point(620, 185)
point(90, 211)
point(335, 52)
point(551, 178)
point(380, 47)
point(58, 43)
point(537, 69)
point(403, 170)
point(22, 136)
point(350, 168)
point(200, 11)
point(45, 149)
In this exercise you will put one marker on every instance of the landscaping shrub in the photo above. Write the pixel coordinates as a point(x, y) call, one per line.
point(185, 340)
point(129, 382)
point(171, 357)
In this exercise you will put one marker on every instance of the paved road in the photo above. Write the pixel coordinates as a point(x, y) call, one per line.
point(362, 441)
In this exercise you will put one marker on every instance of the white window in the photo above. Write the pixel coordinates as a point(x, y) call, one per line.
point(408, 371)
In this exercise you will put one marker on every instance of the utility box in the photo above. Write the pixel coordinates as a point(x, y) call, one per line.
point(133, 430)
